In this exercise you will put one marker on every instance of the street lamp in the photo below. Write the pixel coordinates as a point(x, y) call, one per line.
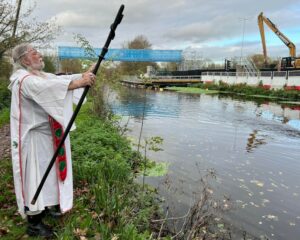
point(243, 35)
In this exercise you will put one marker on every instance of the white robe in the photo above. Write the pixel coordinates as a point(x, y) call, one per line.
point(31, 138)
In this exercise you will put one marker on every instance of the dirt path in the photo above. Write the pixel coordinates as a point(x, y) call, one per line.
point(5, 142)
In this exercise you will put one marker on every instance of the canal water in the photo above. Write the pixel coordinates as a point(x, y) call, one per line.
point(254, 148)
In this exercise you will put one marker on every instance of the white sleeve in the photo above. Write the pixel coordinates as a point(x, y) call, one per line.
point(77, 93)
point(71, 77)
point(49, 93)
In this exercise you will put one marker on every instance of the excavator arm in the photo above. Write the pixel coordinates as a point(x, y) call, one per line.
point(261, 20)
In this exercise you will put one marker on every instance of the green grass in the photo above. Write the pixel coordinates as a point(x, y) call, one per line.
point(107, 201)
point(4, 116)
point(11, 224)
point(192, 90)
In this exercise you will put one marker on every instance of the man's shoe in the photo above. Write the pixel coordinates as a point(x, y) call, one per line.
point(54, 211)
point(39, 229)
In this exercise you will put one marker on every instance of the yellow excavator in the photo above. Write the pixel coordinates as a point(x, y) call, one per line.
point(291, 62)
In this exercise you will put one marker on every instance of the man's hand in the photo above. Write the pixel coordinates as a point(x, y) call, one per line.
point(88, 79)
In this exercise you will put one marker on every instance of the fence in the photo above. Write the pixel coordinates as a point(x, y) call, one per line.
point(275, 80)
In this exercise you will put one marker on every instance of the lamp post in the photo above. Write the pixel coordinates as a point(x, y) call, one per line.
point(243, 36)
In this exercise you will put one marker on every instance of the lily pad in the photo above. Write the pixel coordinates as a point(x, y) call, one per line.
point(157, 169)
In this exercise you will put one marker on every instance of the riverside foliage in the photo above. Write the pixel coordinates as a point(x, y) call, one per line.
point(258, 91)
point(4, 101)
point(108, 203)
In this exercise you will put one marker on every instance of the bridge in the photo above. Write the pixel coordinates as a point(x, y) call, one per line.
point(286, 79)
point(125, 55)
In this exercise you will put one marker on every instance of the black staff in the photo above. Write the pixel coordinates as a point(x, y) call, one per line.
point(110, 37)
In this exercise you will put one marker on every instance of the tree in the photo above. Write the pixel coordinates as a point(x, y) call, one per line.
point(139, 42)
point(169, 66)
point(259, 61)
point(71, 66)
point(131, 68)
point(49, 64)
point(27, 31)
point(5, 68)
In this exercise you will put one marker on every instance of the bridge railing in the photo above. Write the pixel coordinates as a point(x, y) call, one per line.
point(285, 74)
point(276, 80)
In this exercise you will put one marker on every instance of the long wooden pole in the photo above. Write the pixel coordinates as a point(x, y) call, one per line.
point(110, 37)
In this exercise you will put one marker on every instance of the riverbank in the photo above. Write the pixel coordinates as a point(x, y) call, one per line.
point(108, 204)
point(192, 90)
point(292, 96)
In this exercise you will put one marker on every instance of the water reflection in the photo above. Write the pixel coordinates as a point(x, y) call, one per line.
point(133, 102)
point(254, 141)
point(287, 114)
point(282, 112)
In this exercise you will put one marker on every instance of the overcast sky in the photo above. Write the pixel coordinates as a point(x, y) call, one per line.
point(214, 27)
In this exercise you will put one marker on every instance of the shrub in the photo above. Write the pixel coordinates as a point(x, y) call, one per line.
point(4, 93)
point(243, 88)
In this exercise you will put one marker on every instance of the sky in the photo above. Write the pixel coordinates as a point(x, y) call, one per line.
point(215, 29)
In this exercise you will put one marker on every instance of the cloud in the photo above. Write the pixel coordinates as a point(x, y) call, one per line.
point(177, 24)
point(72, 19)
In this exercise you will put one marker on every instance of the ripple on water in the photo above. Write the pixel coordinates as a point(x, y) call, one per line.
point(253, 148)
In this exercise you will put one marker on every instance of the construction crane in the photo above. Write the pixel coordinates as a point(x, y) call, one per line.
point(287, 62)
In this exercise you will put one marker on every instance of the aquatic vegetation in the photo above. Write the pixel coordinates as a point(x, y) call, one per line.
point(156, 169)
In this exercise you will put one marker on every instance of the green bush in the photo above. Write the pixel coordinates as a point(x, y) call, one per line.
point(5, 68)
point(4, 116)
point(5, 94)
point(104, 162)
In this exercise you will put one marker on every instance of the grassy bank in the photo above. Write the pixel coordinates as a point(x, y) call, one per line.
point(242, 90)
point(108, 204)
point(192, 90)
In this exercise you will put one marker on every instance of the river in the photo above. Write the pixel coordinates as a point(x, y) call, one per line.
point(254, 148)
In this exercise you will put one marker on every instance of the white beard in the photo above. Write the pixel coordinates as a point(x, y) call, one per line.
point(38, 66)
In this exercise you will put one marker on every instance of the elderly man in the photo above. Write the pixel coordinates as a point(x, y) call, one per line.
point(41, 107)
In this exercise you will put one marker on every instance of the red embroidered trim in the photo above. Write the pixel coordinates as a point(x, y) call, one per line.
point(20, 136)
point(61, 160)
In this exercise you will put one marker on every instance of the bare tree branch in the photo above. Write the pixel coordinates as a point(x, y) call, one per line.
point(29, 30)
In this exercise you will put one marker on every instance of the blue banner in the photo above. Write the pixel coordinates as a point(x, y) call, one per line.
point(126, 55)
